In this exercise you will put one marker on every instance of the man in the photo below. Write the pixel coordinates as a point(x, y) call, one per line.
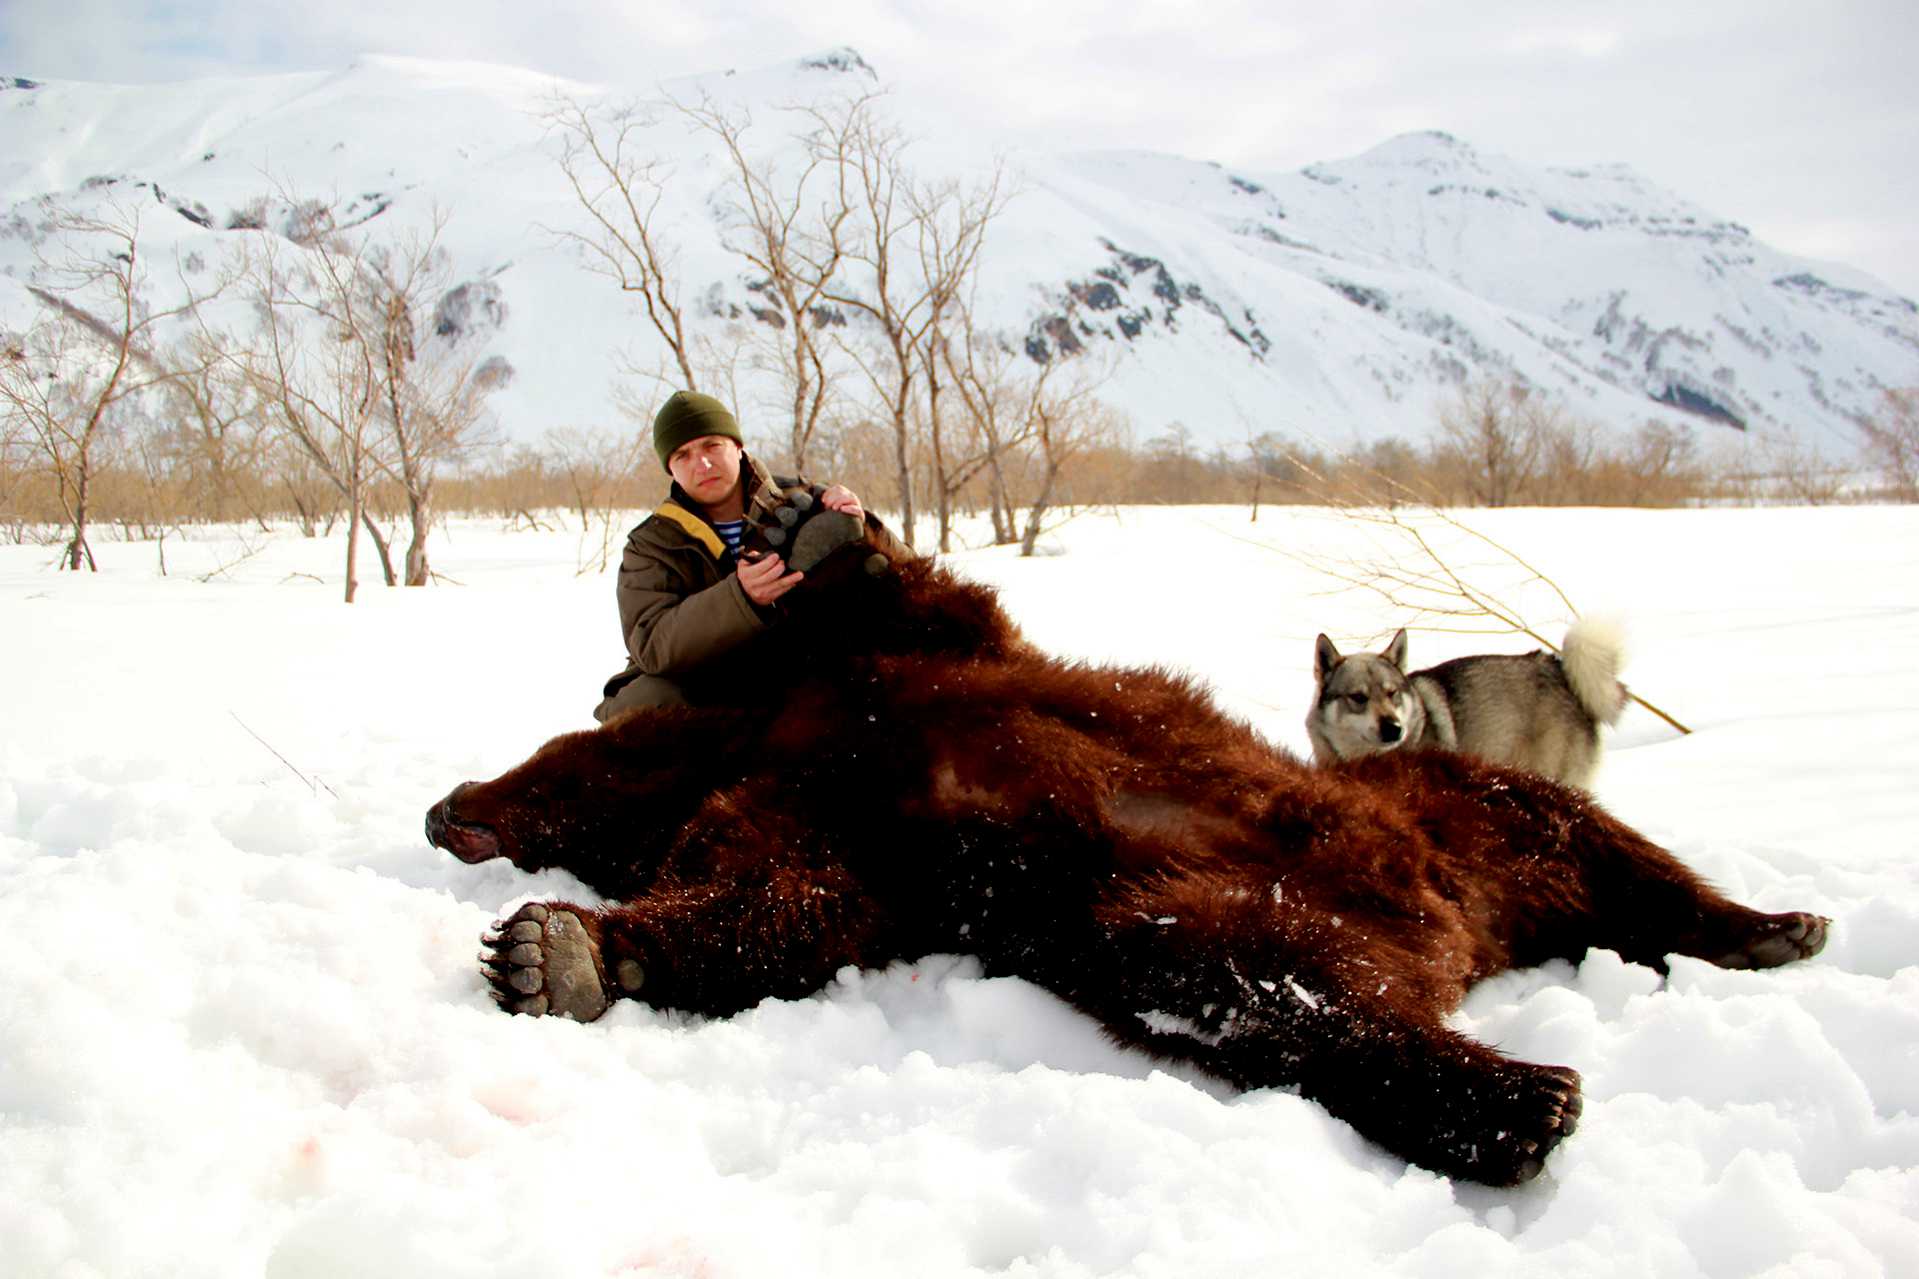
point(690, 606)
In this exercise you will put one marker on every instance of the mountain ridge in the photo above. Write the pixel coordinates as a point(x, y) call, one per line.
point(1342, 301)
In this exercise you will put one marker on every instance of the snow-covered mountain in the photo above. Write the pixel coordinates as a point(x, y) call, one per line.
point(1341, 302)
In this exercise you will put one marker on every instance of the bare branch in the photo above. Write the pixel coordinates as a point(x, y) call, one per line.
point(1418, 575)
point(621, 192)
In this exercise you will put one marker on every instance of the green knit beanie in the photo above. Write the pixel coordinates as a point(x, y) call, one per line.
point(687, 415)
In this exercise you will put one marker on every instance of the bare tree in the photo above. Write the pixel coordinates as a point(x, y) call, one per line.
point(1266, 459)
point(1064, 418)
point(1494, 431)
point(148, 501)
point(432, 393)
point(1792, 469)
point(316, 371)
point(14, 461)
point(917, 245)
point(303, 485)
point(980, 372)
point(599, 469)
point(1181, 472)
point(216, 436)
point(790, 227)
point(1660, 464)
point(960, 455)
point(86, 356)
point(362, 373)
point(1892, 443)
point(44, 405)
point(973, 420)
point(951, 223)
point(619, 185)
point(1566, 457)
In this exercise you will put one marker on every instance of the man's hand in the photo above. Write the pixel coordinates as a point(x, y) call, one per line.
point(765, 579)
point(840, 498)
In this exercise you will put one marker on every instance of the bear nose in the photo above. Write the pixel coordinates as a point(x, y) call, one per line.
point(436, 816)
point(1388, 730)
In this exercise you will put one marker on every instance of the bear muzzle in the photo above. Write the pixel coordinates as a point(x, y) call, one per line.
point(469, 841)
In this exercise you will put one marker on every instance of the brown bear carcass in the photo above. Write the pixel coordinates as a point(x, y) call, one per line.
point(920, 780)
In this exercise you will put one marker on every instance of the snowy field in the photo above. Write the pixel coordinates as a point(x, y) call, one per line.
point(242, 1032)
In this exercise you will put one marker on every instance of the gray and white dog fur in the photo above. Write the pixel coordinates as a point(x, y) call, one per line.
point(1535, 711)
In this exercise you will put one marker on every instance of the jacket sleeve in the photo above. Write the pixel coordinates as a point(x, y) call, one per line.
point(672, 625)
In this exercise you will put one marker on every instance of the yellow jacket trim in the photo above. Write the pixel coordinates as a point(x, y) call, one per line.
point(701, 531)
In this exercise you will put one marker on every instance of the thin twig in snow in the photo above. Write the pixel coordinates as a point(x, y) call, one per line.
point(284, 760)
point(1431, 586)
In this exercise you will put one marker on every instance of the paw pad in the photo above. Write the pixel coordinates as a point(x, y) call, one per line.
point(540, 962)
point(801, 530)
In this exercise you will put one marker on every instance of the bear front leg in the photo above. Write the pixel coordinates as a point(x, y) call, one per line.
point(710, 949)
point(719, 949)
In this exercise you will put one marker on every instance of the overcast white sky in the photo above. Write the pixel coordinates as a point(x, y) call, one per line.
point(1797, 118)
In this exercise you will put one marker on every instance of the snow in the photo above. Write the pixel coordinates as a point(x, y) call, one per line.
point(244, 1033)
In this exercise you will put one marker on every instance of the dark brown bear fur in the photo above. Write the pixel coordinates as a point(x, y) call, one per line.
point(931, 783)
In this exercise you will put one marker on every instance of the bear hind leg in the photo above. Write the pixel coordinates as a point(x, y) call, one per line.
point(1647, 906)
point(1558, 875)
point(1768, 941)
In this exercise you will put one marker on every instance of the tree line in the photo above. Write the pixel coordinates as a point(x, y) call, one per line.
point(300, 376)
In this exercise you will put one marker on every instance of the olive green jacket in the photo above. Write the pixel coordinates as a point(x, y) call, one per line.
point(683, 613)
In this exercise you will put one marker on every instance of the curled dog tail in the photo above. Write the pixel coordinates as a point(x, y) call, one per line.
point(1592, 655)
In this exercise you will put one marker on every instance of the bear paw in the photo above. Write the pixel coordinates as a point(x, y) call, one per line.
point(1500, 1132)
point(820, 536)
point(1550, 1102)
point(1779, 939)
point(804, 532)
point(541, 962)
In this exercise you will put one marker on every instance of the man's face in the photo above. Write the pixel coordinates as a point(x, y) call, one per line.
point(708, 468)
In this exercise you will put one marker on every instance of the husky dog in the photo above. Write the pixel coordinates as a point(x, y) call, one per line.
point(1538, 711)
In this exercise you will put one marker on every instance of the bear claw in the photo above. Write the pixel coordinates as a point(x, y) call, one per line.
point(1780, 939)
point(541, 963)
point(1536, 1111)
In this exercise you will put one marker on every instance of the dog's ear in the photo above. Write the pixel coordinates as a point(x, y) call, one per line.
point(1325, 657)
point(1396, 651)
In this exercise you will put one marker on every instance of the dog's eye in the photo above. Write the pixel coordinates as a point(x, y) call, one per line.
point(1358, 700)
